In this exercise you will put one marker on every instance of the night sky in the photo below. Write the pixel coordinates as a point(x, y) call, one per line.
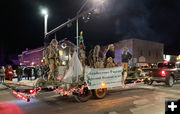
point(22, 24)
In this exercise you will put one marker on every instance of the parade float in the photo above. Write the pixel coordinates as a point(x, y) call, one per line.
point(75, 78)
point(79, 80)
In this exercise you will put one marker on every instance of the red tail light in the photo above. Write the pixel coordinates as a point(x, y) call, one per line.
point(163, 73)
point(31, 91)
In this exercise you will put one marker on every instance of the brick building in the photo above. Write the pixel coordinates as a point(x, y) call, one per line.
point(143, 52)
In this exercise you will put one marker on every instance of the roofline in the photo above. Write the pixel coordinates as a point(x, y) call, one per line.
point(139, 39)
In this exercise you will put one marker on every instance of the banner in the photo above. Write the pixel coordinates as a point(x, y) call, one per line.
point(103, 77)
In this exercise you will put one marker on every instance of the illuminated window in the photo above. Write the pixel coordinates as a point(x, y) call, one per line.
point(60, 52)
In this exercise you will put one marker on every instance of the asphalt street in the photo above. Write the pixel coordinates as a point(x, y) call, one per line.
point(134, 99)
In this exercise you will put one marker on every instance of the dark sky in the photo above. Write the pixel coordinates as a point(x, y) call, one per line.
point(157, 20)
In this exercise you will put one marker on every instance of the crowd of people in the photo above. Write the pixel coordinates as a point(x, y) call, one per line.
point(8, 73)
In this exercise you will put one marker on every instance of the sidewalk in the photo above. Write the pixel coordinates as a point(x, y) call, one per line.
point(2, 87)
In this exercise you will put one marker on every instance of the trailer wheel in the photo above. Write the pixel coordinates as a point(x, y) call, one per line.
point(87, 94)
point(151, 82)
point(40, 82)
point(170, 81)
point(100, 93)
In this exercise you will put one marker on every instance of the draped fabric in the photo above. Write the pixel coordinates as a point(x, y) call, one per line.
point(75, 70)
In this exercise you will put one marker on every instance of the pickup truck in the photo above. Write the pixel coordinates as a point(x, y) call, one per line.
point(166, 72)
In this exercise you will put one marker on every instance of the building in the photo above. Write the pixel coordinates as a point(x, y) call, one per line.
point(143, 52)
point(170, 58)
point(36, 56)
point(31, 57)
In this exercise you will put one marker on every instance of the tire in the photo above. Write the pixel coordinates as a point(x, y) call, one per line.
point(170, 81)
point(40, 82)
point(83, 97)
point(100, 93)
point(146, 81)
point(151, 82)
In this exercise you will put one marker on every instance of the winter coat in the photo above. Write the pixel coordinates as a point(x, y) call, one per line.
point(126, 57)
point(2, 72)
point(110, 54)
point(19, 71)
point(9, 73)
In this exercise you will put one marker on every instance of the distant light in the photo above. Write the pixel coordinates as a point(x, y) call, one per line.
point(63, 62)
point(32, 63)
point(165, 62)
point(178, 57)
point(167, 57)
point(98, 1)
point(42, 60)
point(44, 12)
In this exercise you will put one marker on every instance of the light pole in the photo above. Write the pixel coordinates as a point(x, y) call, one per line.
point(77, 20)
point(77, 24)
point(45, 13)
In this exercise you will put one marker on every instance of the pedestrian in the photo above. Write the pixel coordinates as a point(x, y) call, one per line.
point(38, 72)
point(2, 74)
point(19, 73)
point(126, 56)
point(26, 72)
point(109, 53)
point(9, 73)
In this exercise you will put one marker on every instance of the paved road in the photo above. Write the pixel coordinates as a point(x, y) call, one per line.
point(135, 99)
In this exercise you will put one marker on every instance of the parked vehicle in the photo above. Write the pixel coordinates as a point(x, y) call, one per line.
point(166, 72)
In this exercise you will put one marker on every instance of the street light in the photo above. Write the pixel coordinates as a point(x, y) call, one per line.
point(77, 23)
point(98, 1)
point(45, 13)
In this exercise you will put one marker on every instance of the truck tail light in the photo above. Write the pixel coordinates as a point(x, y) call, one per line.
point(163, 73)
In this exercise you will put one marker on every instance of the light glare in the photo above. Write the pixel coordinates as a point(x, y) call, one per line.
point(44, 12)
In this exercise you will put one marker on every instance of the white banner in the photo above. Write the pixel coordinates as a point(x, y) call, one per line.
point(103, 77)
